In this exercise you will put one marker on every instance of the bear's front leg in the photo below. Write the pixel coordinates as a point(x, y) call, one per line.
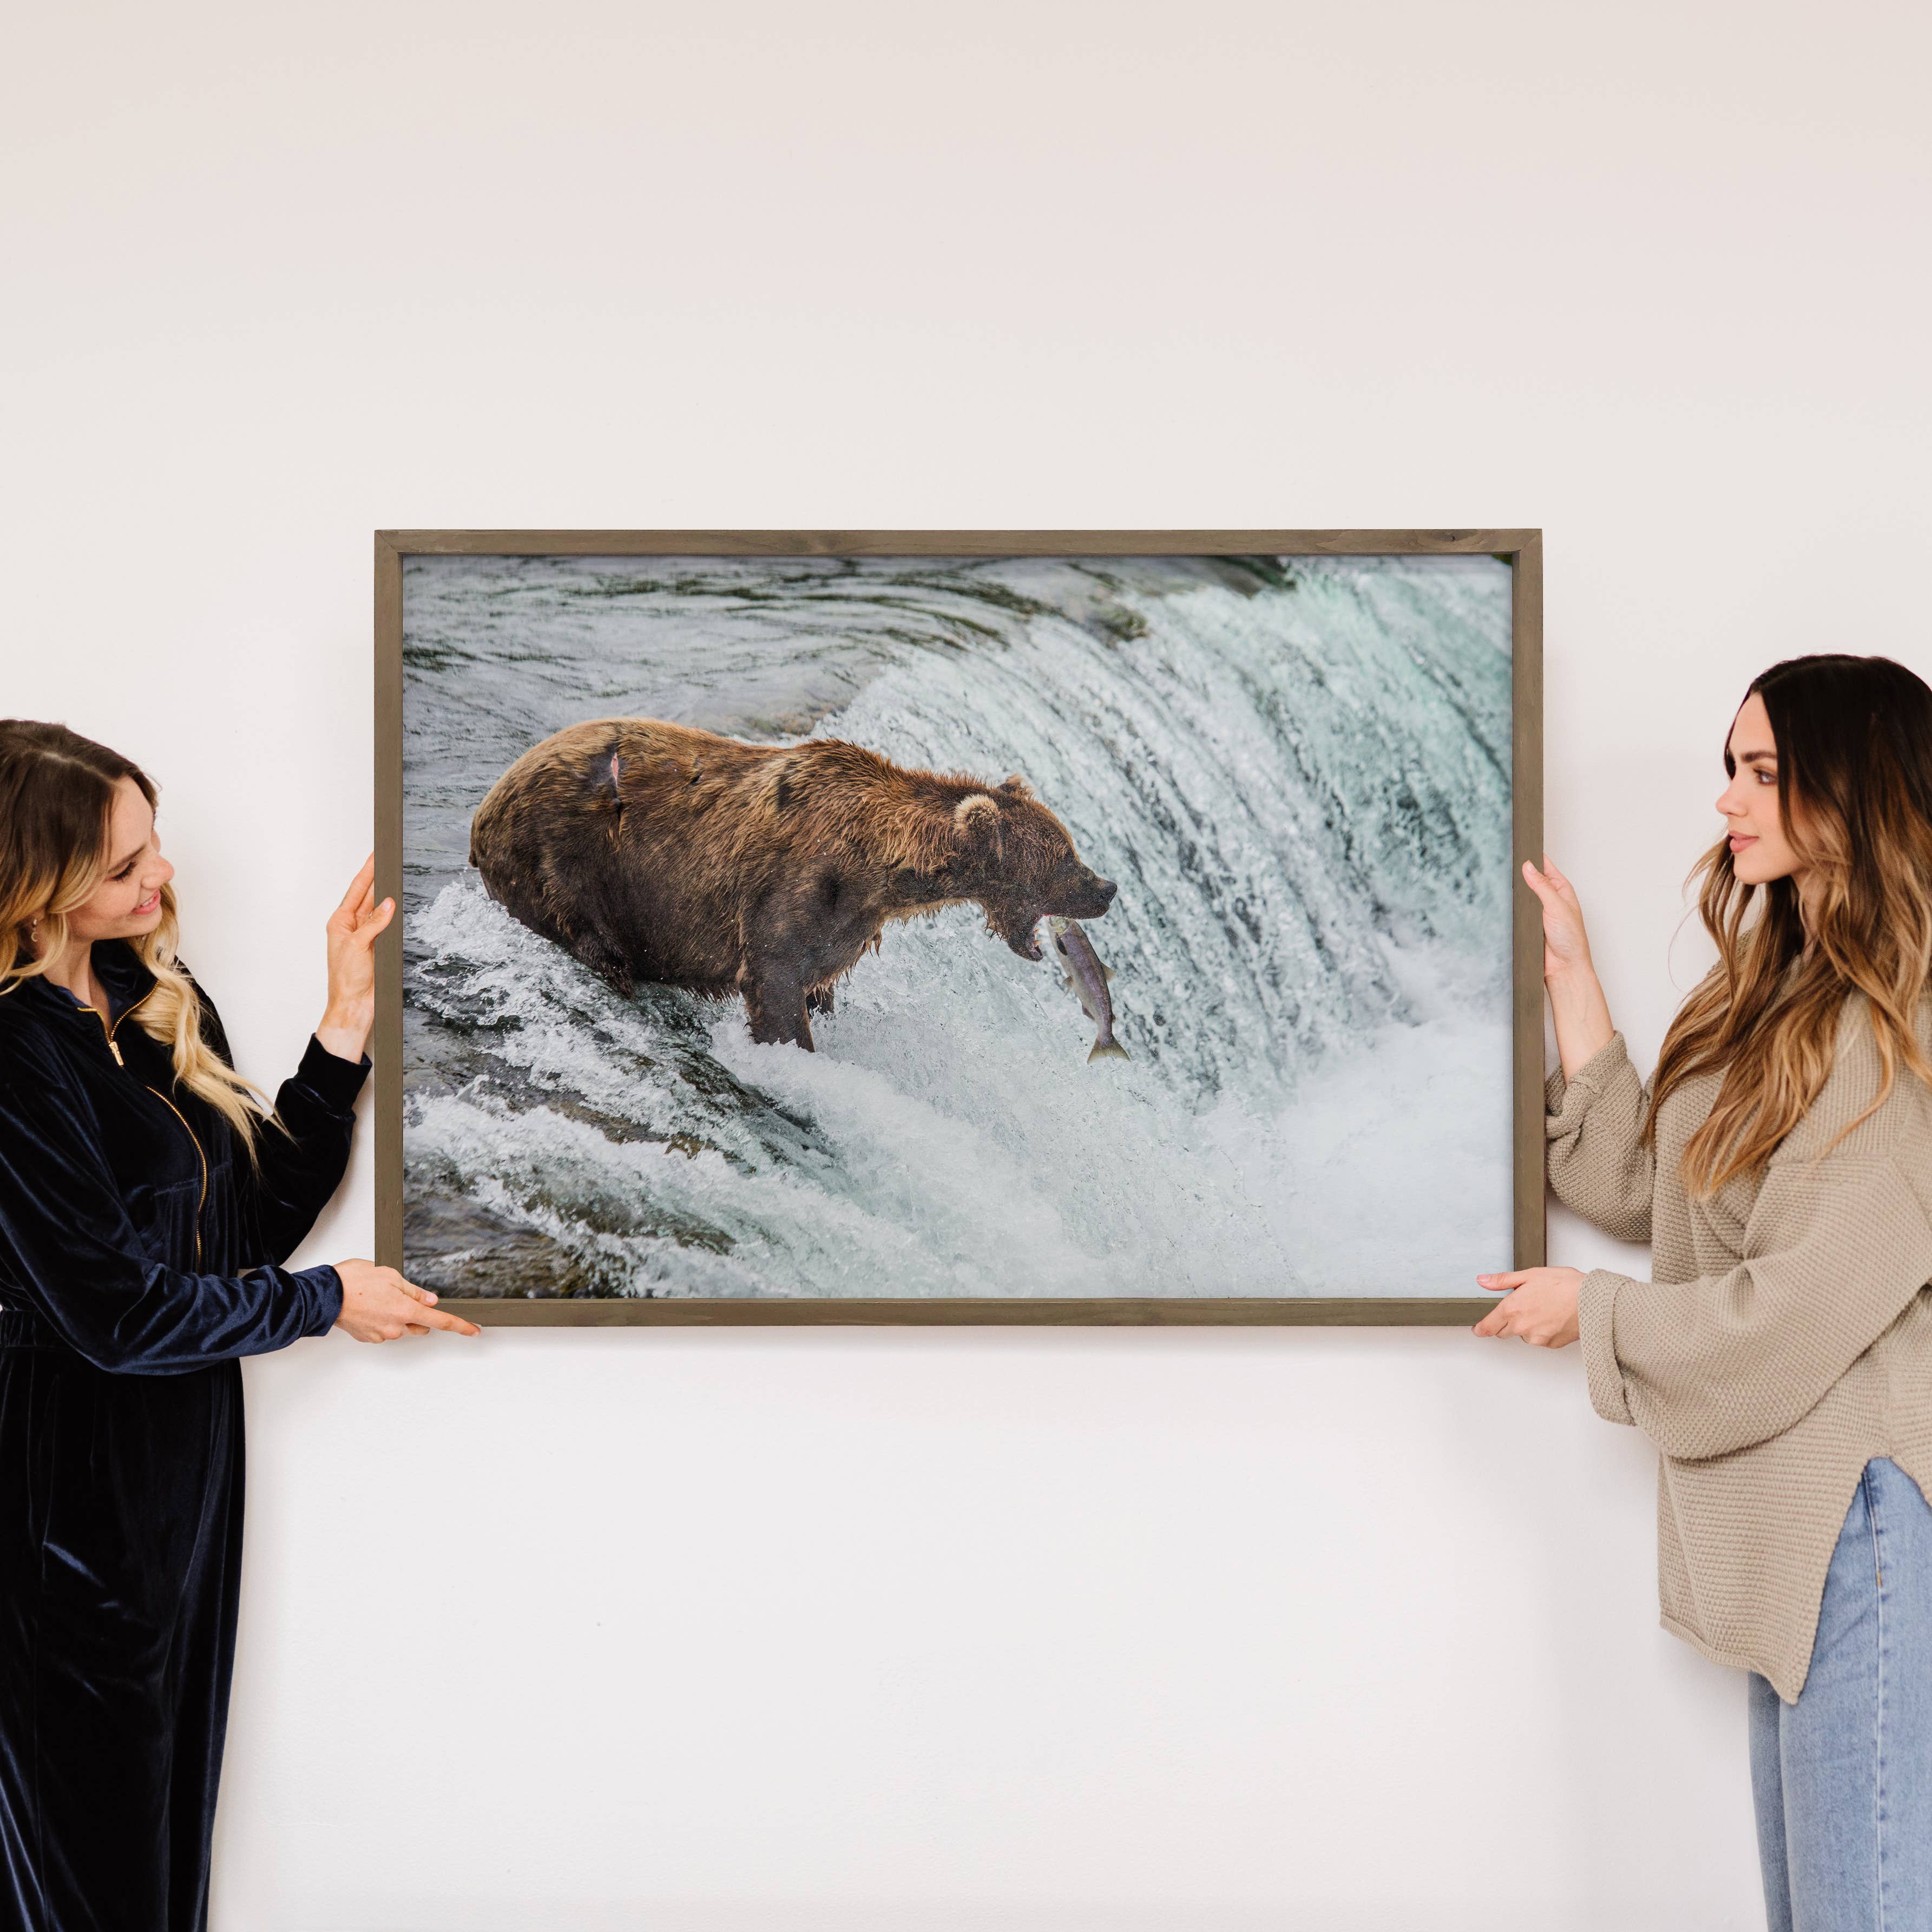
point(605, 960)
point(776, 1009)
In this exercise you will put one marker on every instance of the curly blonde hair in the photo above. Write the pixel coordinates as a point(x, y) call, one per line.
point(56, 803)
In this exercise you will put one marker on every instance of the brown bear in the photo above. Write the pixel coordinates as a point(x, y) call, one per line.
point(654, 852)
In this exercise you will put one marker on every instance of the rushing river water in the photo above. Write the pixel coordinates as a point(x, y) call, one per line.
point(1298, 772)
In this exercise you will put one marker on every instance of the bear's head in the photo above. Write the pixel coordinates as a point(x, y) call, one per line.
point(1013, 856)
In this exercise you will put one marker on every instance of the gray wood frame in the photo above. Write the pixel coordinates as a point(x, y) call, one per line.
point(1522, 549)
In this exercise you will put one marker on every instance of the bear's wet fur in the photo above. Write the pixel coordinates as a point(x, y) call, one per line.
point(655, 852)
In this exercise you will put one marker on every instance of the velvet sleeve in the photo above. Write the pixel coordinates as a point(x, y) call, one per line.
point(300, 1164)
point(76, 1261)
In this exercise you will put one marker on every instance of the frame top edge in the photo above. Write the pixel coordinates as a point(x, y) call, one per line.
point(970, 543)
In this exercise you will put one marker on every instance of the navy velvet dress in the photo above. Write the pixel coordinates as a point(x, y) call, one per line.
point(140, 1258)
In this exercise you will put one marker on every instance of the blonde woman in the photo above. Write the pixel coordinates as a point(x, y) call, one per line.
point(1781, 1162)
point(148, 1200)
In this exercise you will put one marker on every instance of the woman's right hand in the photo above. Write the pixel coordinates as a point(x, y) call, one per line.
point(1566, 946)
point(378, 1305)
point(1576, 1003)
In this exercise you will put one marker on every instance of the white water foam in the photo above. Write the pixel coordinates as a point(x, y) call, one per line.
point(955, 1158)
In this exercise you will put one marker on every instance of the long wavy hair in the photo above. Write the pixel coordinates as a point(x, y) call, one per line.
point(56, 806)
point(1854, 741)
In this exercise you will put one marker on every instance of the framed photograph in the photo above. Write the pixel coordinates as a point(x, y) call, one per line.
point(944, 926)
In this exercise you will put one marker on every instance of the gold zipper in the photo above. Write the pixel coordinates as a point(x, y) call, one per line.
point(183, 1118)
point(113, 1047)
point(116, 1050)
point(200, 1152)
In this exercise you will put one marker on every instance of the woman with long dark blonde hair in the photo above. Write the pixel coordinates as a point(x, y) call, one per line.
point(149, 1196)
point(1780, 1161)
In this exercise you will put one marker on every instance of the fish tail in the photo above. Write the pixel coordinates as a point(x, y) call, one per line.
point(1107, 1049)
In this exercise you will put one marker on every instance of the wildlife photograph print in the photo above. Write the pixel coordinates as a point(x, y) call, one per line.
point(1012, 929)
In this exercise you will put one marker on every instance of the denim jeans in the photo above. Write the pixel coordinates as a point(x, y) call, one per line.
point(1842, 1780)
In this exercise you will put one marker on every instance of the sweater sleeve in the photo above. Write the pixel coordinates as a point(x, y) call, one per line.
point(1598, 1162)
point(300, 1163)
point(1836, 1249)
point(74, 1258)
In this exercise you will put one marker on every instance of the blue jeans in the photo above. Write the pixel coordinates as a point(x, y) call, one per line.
point(1842, 1780)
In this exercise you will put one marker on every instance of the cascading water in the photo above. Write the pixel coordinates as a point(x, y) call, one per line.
point(1297, 770)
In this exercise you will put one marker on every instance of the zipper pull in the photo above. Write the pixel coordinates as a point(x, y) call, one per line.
point(114, 1048)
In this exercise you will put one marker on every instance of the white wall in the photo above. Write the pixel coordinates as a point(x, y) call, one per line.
point(785, 1632)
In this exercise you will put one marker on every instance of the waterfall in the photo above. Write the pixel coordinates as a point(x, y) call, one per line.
point(1297, 771)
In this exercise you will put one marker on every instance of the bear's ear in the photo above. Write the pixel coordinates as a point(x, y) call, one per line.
point(1015, 787)
point(976, 827)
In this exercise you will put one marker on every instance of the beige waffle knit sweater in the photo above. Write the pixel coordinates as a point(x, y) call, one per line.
point(1785, 1340)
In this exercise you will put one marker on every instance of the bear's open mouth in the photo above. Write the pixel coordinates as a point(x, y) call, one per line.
point(1021, 934)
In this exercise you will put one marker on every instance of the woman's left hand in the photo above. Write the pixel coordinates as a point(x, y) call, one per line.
point(352, 927)
point(1539, 1305)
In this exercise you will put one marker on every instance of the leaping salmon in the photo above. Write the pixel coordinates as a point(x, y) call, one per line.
point(1088, 976)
